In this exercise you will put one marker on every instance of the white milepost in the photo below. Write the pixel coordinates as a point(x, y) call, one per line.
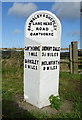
point(42, 36)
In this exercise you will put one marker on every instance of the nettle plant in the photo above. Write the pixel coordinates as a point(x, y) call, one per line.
point(55, 102)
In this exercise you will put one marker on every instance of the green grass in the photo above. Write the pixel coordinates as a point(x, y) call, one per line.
point(67, 115)
point(70, 90)
point(12, 84)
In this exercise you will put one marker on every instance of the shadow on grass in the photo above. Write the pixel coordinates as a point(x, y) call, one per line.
point(11, 111)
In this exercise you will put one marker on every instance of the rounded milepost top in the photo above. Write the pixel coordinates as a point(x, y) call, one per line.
point(42, 24)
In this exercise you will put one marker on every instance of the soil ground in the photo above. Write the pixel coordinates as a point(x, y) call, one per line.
point(65, 107)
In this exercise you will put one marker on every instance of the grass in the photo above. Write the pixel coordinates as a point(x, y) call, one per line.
point(70, 90)
point(12, 85)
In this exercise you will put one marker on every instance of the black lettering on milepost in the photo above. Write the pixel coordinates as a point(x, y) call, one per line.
point(25, 65)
